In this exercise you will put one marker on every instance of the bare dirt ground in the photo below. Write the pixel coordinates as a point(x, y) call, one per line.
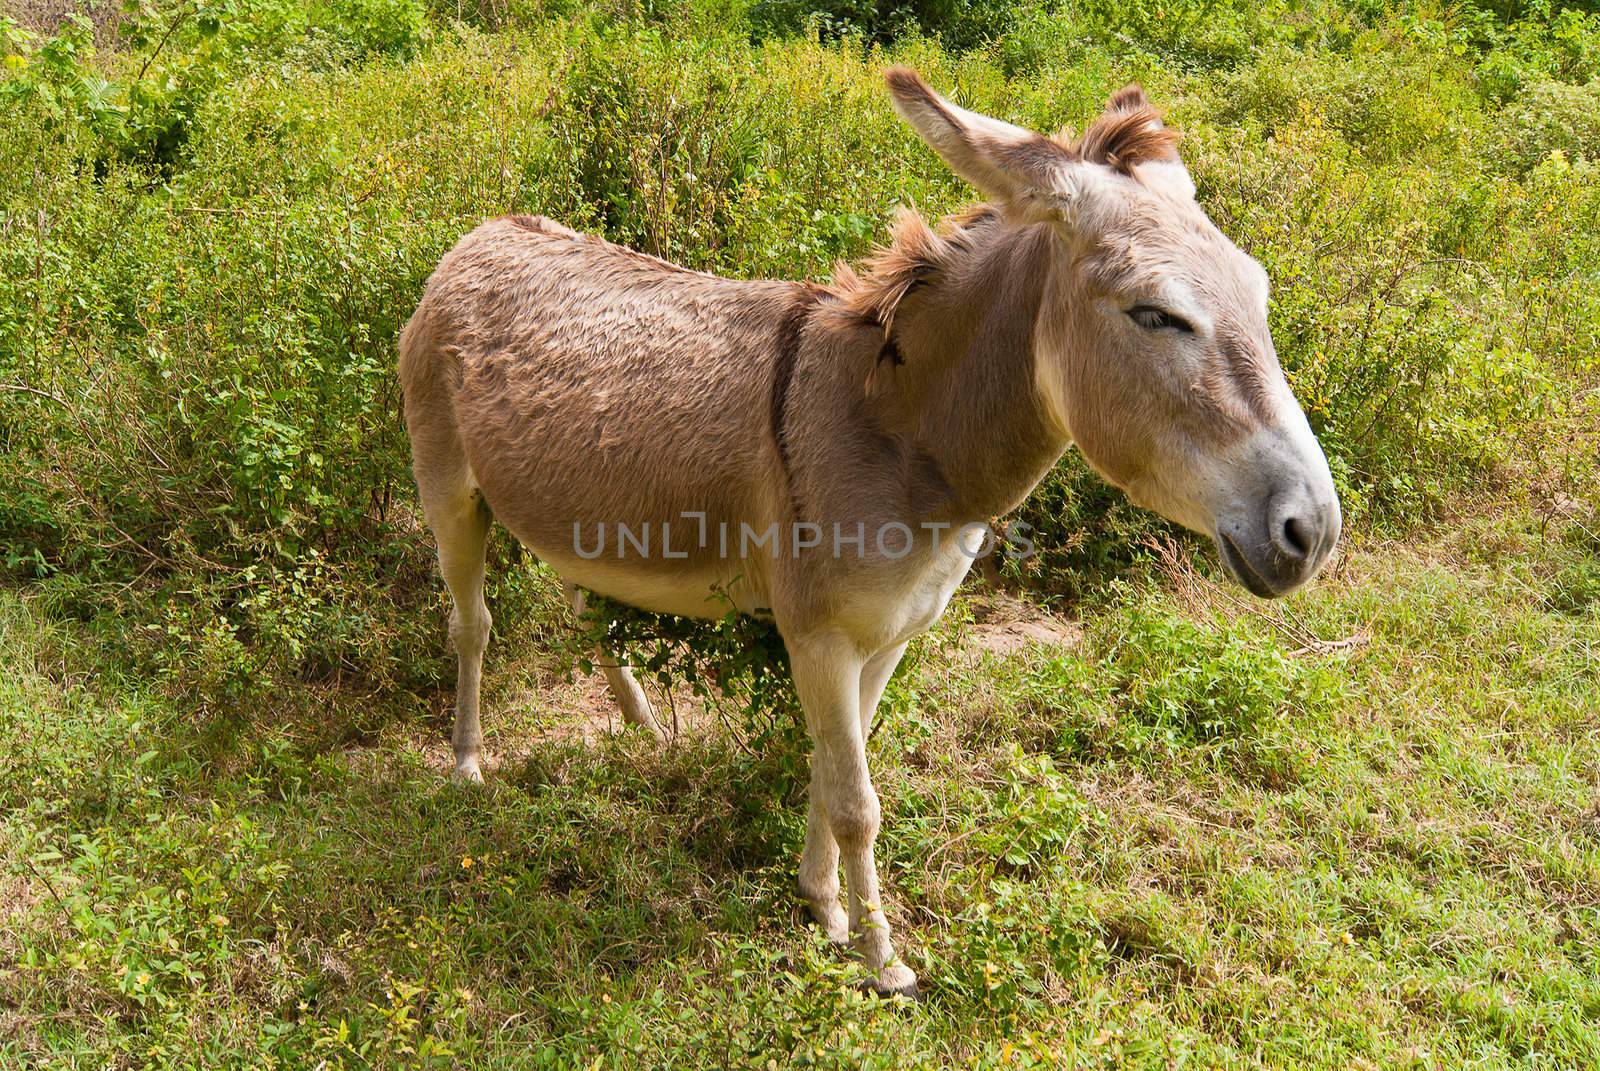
point(1006, 625)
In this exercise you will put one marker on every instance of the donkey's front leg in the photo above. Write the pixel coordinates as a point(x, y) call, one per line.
point(819, 866)
point(827, 674)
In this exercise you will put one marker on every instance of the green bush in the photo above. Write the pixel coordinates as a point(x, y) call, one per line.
point(1189, 684)
point(373, 27)
point(1548, 117)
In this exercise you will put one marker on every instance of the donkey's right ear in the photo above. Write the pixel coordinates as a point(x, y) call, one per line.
point(1027, 173)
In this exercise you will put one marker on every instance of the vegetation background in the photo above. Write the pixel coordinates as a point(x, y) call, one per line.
point(1132, 820)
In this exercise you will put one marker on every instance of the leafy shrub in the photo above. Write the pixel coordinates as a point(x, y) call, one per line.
point(738, 664)
point(1563, 44)
point(1084, 531)
point(662, 150)
point(1549, 117)
point(1214, 687)
point(1190, 684)
point(52, 75)
point(373, 27)
point(142, 106)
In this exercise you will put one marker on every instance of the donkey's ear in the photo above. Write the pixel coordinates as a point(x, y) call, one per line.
point(1025, 171)
point(1130, 98)
point(1130, 137)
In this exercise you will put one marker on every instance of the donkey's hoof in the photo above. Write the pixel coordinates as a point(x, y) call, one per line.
point(894, 980)
point(467, 772)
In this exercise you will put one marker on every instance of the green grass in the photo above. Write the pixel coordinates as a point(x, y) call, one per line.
point(1178, 844)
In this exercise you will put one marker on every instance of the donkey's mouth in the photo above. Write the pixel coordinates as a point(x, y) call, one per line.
point(1242, 570)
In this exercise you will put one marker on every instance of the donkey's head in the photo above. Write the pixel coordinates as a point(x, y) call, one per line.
point(1152, 351)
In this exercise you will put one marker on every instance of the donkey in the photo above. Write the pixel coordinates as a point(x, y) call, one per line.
point(827, 454)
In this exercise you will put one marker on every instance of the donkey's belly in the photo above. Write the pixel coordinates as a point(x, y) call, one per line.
point(690, 589)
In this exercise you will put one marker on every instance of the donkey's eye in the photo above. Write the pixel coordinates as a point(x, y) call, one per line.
point(1153, 319)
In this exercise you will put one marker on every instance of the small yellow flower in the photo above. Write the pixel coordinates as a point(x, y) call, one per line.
point(1347, 937)
point(605, 998)
point(143, 978)
point(466, 862)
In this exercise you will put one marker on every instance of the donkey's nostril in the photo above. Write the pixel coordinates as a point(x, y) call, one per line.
point(1276, 551)
point(1297, 537)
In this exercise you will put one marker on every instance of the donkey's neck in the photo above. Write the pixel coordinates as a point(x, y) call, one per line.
point(964, 391)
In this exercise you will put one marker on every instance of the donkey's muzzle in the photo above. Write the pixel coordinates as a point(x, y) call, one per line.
point(1283, 544)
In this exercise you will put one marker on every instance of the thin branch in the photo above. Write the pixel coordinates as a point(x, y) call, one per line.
point(183, 17)
point(1316, 646)
point(23, 388)
point(65, 914)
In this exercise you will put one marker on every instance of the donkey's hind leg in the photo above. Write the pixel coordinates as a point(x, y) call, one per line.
point(460, 523)
point(636, 709)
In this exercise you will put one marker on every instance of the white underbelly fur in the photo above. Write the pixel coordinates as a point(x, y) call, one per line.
point(687, 592)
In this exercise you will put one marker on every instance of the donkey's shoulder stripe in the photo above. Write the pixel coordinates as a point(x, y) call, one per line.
point(789, 330)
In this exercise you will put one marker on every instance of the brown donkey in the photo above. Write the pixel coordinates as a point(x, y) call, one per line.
point(827, 454)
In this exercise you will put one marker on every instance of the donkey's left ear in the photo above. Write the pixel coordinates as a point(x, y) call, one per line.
point(1130, 98)
point(1130, 137)
point(1028, 174)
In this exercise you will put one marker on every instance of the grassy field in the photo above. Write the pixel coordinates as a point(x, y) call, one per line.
point(1132, 819)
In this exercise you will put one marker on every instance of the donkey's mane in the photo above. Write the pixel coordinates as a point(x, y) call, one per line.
point(914, 254)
